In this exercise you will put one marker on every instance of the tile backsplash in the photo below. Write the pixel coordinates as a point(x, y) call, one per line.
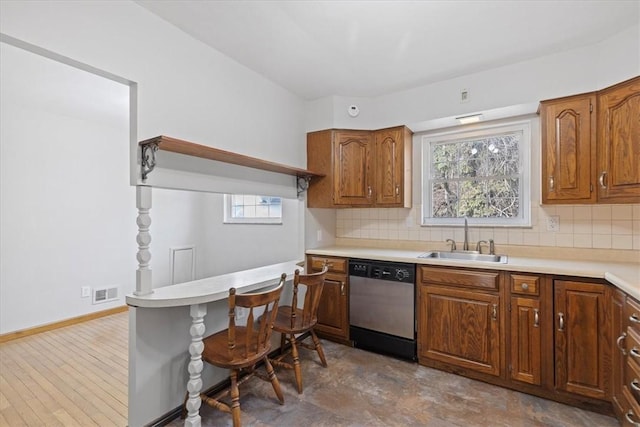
point(581, 226)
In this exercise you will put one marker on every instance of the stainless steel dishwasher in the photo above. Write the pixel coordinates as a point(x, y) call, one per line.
point(382, 307)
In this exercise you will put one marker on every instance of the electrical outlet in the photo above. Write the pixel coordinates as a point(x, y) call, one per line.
point(85, 292)
point(553, 223)
point(319, 235)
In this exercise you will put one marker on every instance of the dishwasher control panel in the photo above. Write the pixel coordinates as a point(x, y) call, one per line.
point(392, 271)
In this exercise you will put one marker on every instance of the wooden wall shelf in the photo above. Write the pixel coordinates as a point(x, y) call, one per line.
point(174, 145)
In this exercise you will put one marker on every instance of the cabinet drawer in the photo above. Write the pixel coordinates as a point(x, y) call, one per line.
point(526, 285)
point(336, 265)
point(632, 379)
point(633, 346)
point(632, 314)
point(455, 277)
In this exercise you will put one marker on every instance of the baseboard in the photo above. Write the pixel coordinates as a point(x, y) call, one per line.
point(61, 324)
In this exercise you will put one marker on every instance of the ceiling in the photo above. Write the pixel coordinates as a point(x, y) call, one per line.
point(370, 48)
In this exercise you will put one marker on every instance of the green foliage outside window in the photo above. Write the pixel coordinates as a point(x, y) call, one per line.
point(476, 178)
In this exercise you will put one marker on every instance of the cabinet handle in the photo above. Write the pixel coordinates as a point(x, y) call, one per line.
point(635, 385)
point(603, 179)
point(634, 318)
point(552, 183)
point(524, 286)
point(369, 192)
point(561, 321)
point(536, 318)
point(619, 343)
point(494, 312)
point(397, 190)
point(634, 352)
point(342, 288)
point(629, 416)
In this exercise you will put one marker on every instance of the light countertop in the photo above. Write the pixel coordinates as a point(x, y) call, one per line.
point(624, 275)
point(214, 288)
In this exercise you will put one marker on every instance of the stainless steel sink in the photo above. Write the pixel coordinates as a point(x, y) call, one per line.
point(465, 256)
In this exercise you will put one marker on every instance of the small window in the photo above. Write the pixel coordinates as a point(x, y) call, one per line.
point(250, 209)
point(481, 174)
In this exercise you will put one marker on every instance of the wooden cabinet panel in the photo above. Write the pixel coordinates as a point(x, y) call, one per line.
point(619, 143)
point(333, 310)
point(568, 145)
point(336, 265)
point(526, 344)
point(361, 168)
point(457, 277)
point(352, 168)
point(524, 284)
point(618, 360)
point(393, 166)
point(460, 327)
point(582, 350)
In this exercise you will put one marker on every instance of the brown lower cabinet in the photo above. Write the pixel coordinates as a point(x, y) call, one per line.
point(459, 326)
point(540, 334)
point(333, 311)
point(568, 339)
point(626, 396)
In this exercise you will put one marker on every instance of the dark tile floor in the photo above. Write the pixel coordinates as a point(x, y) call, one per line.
point(360, 388)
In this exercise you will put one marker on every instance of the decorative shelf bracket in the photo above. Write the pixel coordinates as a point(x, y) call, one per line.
point(303, 183)
point(148, 159)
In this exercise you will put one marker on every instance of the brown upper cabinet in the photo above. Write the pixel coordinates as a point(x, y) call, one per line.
point(619, 143)
point(591, 146)
point(568, 127)
point(362, 168)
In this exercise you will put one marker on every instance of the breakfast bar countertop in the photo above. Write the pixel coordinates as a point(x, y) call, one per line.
point(214, 288)
point(624, 275)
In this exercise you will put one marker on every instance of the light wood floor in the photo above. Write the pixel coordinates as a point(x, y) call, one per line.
point(73, 376)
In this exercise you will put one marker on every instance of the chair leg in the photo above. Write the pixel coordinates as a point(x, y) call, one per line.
point(274, 380)
point(296, 363)
point(283, 341)
point(235, 398)
point(319, 349)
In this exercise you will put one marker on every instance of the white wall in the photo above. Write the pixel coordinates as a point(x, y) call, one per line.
point(189, 91)
point(65, 200)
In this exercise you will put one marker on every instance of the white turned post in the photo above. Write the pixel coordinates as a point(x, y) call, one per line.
point(143, 274)
point(194, 386)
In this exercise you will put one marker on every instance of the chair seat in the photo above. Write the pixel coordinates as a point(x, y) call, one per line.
point(216, 350)
point(283, 321)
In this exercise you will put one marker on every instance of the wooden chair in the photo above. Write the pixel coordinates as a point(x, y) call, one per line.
point(292, 320)
point(240, 348)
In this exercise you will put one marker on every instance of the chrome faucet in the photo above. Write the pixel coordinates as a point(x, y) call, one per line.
point(465, 246)
point(479, 245)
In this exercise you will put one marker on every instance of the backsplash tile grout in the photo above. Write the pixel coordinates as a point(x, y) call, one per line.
point(581, 226)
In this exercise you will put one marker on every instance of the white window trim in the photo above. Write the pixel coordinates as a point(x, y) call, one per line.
point(229, 219)
point(478, 131)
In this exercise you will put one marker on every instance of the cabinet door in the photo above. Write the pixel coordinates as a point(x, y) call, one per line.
point(568, 147)
point(582, 350)
point(332, 312)
point(353, 174)
point(619, 143)
point(526, 345)
point(460, 327)
point(390, 166)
